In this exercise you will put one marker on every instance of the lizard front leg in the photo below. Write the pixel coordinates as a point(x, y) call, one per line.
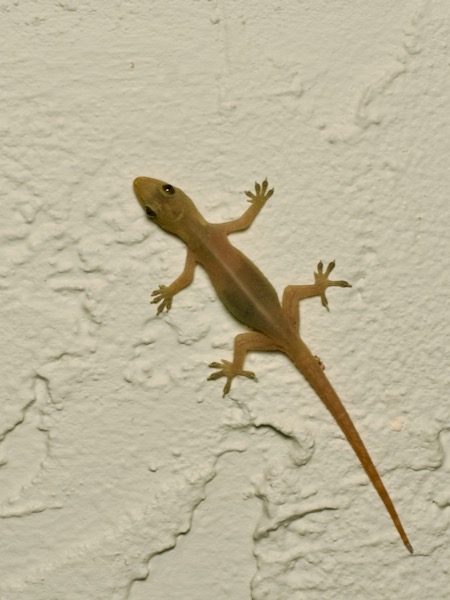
point(257, 200)
point(243, 343)
point(164, 294)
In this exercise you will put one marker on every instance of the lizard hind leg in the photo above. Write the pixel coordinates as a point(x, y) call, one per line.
point(293, 294)
point(243, 343)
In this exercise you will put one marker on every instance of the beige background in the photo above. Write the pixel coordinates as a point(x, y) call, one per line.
point(113, 443)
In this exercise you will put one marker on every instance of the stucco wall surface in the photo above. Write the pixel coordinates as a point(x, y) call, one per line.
point(124, 474)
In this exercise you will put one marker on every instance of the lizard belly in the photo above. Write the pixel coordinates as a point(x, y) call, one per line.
point(247, 294)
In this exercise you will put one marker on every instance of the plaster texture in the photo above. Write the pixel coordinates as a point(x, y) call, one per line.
point(123, 472)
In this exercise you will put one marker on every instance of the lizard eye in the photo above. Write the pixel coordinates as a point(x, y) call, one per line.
point(169, 189)
point(150, 213)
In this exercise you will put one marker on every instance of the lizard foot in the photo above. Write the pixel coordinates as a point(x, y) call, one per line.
point(322, 281)
point(230, 371)
point(261, 194)
point(163, 297)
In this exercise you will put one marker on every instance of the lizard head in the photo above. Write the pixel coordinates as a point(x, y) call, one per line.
point(166, 205)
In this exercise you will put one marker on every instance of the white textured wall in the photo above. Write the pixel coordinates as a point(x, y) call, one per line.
point(113, 443)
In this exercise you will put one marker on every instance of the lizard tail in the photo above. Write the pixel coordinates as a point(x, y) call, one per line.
point(311, 370)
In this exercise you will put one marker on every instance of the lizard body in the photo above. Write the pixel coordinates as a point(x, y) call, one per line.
point(251, 298)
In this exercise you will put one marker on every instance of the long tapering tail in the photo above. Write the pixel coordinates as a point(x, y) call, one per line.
point(311, 370)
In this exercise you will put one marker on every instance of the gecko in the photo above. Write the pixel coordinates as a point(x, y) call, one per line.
point(248, 295)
